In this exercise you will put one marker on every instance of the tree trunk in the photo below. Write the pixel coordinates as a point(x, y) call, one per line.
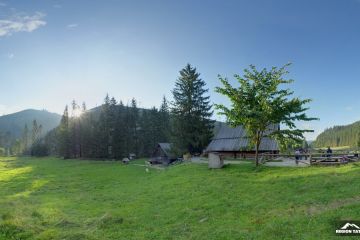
point(257, 145)
point(257, 154)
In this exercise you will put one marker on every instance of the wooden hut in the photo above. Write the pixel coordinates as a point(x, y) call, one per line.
point(162, 154)
point(233, 142)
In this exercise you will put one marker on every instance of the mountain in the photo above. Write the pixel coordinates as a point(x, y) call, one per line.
point(347, 135)
point(14, 123)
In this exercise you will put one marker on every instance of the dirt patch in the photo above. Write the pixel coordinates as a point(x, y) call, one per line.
point(317, 209)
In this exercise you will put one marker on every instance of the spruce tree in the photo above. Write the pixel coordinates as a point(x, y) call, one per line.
point(119, 134)
point(103, 131)
point(63, 135)
point(145, 133)
point(133, 127)
point(164, 121)
point(74, 129)
point(25, 140)
point(112, 118)
point(191, 109)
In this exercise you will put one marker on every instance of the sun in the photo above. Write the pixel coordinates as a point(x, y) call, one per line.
point(76, 113)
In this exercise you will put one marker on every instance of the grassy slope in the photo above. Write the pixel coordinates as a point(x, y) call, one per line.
point(74, 199)
point(340, 148)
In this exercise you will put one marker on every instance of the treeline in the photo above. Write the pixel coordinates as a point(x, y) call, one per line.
point(110, 131)
point(336, 136)
point(23, 145)
point(115, 130)
point(6, 142)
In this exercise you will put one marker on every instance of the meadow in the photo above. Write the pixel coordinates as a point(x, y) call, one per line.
point(51, 198)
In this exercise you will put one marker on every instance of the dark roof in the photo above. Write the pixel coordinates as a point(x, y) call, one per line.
point(234, 139)
point(166, 147)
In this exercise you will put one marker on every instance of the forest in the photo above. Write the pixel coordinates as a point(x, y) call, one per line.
point(336, 136)
point(115, 130)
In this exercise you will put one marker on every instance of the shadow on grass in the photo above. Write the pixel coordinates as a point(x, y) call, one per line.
point(84, 200)
point(71, 192)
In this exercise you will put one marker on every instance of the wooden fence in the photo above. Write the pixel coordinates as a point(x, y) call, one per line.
point(313, 158)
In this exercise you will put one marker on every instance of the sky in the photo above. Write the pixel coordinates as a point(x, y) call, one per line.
point(52, 52)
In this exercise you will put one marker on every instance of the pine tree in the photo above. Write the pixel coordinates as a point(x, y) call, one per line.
point(74, 128)
point(34, 132)
point(25, 140)
point(149, 131)
point(145, 132)
point(113, 112)
point(133, 127)
point(119, 134)
point(103, 131)
point(164, 121)
point(83, 108)
point(63, 135)
point(191, 109)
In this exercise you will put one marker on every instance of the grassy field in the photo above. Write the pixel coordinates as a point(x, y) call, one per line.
point(49, 198)
point(339, 148)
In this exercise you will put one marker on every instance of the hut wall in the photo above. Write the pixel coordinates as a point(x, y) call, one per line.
point(243, 154)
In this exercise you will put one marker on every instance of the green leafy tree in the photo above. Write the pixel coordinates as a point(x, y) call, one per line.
point(191, 109)
point(260, 102)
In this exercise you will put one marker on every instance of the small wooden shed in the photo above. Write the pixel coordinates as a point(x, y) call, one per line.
point(162, 154)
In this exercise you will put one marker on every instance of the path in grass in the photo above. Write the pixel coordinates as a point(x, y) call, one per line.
point(51, 198)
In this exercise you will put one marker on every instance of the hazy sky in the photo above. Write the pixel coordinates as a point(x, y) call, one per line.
point(54, 51)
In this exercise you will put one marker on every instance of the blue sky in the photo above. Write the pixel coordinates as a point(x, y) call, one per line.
point(54, 51)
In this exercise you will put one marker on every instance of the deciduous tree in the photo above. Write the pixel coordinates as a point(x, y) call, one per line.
point(260, 102)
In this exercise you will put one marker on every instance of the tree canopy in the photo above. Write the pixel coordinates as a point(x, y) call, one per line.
point(261, 101)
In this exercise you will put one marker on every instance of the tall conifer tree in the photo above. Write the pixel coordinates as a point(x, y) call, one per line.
point(192, 129)
point(64, 135)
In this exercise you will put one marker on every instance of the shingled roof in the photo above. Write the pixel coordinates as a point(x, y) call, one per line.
point(230, 139)
point(166, 147)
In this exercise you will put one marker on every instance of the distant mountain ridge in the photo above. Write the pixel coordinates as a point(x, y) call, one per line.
point(346, 135)
point(14, 123)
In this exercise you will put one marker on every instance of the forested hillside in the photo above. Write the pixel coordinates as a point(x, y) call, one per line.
point(14, 123)
point(348, 135)
point(115, 130)
point(19, 130)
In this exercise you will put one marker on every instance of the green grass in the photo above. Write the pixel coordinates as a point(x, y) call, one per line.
point(339, 148)
point(49, 198)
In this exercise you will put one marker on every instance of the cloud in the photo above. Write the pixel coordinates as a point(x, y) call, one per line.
point(21, 24)
point(11, 55)
point(57, 6)
point(2, 4)
point(73, 25)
